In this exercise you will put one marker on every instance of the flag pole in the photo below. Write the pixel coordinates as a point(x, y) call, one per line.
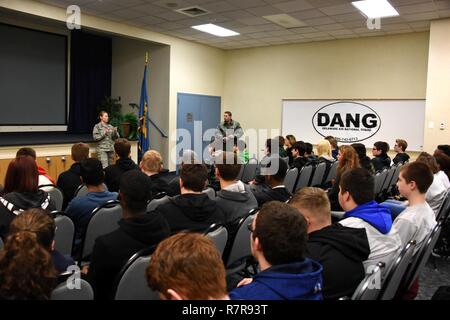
point(146, 58)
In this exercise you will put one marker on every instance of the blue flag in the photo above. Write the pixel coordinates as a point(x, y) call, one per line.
point(143, 118)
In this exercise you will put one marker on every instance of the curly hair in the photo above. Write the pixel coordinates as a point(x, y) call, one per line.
point(26, 268)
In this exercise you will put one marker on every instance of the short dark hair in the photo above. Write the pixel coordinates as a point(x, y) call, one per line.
point(429, 160)
point(300, 146)
point(402, 144)
point(360, 184)
point(445, 148)
point(194, 176)
point(280, 174)
point(360, 150)
point(122, 147)
point(381, 145)
point(309, 148)
point(92, 172)
point(229, 171)
point(418, 172)
point(270, 143)
point(228, 113)
point(135, 190)
point(80, 151)
point(282, 233)
point(26, 152)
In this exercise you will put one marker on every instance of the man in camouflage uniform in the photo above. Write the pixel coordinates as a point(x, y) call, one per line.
point(105, 134)
point(229, 128)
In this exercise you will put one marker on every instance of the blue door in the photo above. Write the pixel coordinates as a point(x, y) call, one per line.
point(196, 113)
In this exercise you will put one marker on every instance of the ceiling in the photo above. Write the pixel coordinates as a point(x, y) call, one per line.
point(324, 19)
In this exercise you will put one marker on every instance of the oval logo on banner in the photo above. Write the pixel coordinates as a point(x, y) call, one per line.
point(347, 121)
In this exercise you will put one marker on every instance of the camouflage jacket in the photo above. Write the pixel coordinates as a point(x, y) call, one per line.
point(232, 128)
point(105, 136)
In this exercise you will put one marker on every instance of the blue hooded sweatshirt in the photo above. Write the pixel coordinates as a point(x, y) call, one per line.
point(376, 215)
point(294, 281)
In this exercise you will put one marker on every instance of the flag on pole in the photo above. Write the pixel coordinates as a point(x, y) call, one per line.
point(143, 115)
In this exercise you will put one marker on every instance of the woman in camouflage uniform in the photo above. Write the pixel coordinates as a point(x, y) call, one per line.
point(105, 134)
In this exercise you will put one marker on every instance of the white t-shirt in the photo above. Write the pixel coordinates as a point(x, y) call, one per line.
point(436, 193)
point(383, 247)
point(444, 179)
point(415, 223)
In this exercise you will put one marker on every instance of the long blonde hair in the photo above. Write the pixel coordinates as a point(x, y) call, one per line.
point(324, 149)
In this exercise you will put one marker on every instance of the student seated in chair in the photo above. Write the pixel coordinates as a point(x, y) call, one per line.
point(340, 250)
point(356, 197)
point(418, 219)
point(274, 172)
point(235, 198)
point(400, 148)
point(203, 278)
point(80, 208)
point(122, 148)
point(70, 180)
point(278, 242)
point(137, 230)
point(192, 210)
point(380, 158)
point(44, 178)
point(152, 165)
point(298, 155)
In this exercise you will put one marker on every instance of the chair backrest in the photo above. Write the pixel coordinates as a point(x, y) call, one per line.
point(304, 176)
point(421, 257)
point(62, 292)
point(387, 181)
point(397, 271)
point(379, 180)
point(240, 249)
point(331, 173)
point(241, 172)
point(249, 170)
point(444, 210)
point(210, 192)
point(152, 205)
point(285, 159)
point(1, 243)
point(396, 174)
point(219, 235)
point(131, 282)
point(103, 220)
point(370, 286)
point(318, 174)
point(291, 179)
point(65, 231)
point(55, 194)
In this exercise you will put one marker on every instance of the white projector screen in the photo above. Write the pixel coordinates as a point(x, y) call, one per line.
point(364, 121)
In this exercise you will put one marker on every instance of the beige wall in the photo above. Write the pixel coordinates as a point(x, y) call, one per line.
point(194, 68)
point(256, 80)
point(438, 85)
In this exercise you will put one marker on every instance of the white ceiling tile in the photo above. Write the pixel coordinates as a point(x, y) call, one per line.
point(149, 9)
point(171, 16)
point(148, 20)
point(419, 24)
point(264, 11)
point(189, 22)
point(303, 30)
point(244, 4)
point(307, 14)
point(341, 32)
point(356, 16)
point(397, 3)
point(280, 33)
point(329, 27)
point(238, 14)
point(416, 8)
point(442, 5)
point(219, 6)
point(293, 37)
point(354, 24)
point(400, 31)
point(101, 7)
point(319, 21)
point(128, 14)
point(170, 25)
point(395, 26)
point(421, 16)
point(327, 38)
point(444, 13)
point(293, 6)
point(315, 34)
point(253, 21)
point(346, 36)
point(338, 9)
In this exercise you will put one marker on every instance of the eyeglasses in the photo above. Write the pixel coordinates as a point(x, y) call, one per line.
point(250, 227)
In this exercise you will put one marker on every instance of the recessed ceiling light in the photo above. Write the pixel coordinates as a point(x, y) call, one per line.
point(375, 8)
point(215, 30)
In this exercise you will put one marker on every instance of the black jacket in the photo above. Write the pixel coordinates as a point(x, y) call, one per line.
point(160, 183)
point(112, 251)
point(333, 195)
point(341, 251)
point(401, 157)
point(264, 193)
point(236, 205)
point(194, 212)
point(68, 182)
point(115, 171)
point(381, 162)
point(299, 163)
point(367, 164)
point(13, 203)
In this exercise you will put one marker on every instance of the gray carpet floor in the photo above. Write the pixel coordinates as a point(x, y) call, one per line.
point(432, 277)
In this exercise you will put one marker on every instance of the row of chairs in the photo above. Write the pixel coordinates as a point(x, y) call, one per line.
point(310, 175)
point(386, 179)
point(405, 269)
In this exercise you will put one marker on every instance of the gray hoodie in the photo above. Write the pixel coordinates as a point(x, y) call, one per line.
point(237, 203)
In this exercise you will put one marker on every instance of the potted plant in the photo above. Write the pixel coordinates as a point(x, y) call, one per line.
point(130, 126)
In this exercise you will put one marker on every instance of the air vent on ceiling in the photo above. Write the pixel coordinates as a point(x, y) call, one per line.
point(193, 11)
point(285, 20)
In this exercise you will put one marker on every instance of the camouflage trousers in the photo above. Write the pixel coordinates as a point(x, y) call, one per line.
point(106, 158)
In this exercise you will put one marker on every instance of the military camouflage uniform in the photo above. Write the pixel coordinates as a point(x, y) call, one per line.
point(231, 128)
point(105, 136)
